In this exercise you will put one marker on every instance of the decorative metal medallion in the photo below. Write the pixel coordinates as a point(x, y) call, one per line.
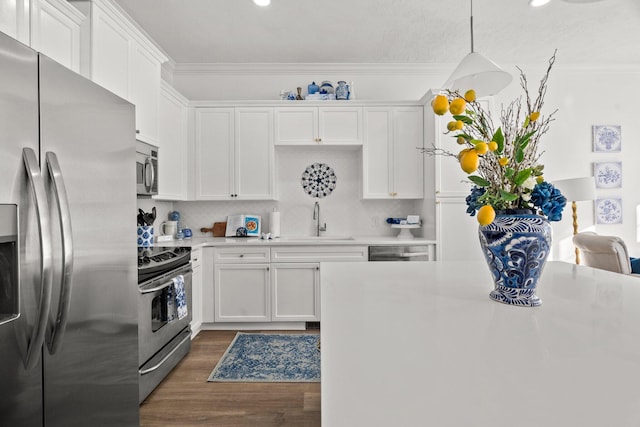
point(318, 180)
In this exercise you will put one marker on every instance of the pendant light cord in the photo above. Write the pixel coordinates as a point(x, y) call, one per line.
point(471, 21)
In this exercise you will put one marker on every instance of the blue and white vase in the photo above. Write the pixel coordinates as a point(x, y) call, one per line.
point(342, 91)
point(516, 248)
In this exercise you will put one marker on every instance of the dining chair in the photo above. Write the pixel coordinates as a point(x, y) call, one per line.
point(604, 252)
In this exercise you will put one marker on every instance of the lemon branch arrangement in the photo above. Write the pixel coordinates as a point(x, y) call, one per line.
point(502, 162)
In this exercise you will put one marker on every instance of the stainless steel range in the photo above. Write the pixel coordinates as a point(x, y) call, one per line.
point(164, 336)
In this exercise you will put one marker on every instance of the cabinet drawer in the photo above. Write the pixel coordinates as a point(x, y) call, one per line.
point(240, 255)
point(318, 253)
point(196, 258)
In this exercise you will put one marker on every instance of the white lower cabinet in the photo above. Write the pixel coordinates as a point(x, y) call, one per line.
point(242, 293)
point(295, 291)
point(196, 291)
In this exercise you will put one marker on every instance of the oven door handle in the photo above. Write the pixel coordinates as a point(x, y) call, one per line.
point(166, 284)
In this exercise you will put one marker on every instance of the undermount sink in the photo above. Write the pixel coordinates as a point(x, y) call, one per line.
point(314, 238)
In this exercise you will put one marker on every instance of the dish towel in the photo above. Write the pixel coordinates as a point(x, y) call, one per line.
point(180, 297)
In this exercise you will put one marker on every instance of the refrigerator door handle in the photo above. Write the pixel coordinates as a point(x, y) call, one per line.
point(149, 164)
point(36, 184)
point(54, 341)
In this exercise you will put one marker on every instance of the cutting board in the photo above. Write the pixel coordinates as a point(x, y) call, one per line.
point(218, 229)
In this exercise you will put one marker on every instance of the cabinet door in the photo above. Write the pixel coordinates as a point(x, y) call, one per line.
point(172, 142)
point(110, 59)
point(242, 293)
point(14, 19)
point(214, 157)
point(55, 31)
point(295, 292)
point(145, 93)
point(340, 125)
point(254, 174)
point(456, 232)
point(407, 158)
point(377, 153)
point(296, 126)
point(196, 291)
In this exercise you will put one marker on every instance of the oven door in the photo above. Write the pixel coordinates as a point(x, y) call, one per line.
point(158, 324)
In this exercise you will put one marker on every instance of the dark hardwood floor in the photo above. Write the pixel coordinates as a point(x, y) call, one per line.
point(185, 398)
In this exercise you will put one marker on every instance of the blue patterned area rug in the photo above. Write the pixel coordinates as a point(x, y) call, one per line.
point(254, 357)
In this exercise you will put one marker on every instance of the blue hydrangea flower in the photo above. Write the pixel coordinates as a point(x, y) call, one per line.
point(472, 200)
point(549, 199)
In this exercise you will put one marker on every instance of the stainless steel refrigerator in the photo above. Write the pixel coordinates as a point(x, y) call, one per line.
point(68, 278)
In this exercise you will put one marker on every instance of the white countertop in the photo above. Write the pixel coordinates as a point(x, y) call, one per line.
point(421, 344)
point(196, 242)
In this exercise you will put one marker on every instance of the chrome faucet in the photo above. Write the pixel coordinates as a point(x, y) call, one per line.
point(316, 216)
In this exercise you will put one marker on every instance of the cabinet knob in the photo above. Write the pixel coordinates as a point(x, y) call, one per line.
point(241, 255)
point(137, 130)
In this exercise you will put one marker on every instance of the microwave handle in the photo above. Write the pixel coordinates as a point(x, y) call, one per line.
point(148, 184)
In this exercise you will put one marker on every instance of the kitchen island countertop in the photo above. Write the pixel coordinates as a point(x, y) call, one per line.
point(421, 344)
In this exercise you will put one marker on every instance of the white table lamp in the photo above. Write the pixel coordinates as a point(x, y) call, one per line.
point(575, 190)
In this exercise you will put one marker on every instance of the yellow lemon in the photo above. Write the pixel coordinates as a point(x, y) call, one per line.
point(457, 106)
point(460, 140)
point(459, 124)
point(469, 161)
point(534, 116)
point(482, 147)
point(451, 126)
point(440, 104)
point(486, 215)
point(503, 161)
point(493, 146)
point(540, 179)
point(470, 95)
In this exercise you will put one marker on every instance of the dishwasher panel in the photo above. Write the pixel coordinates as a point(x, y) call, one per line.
point(399, 253)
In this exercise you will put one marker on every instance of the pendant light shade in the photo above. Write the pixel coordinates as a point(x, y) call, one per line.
point(478, 73)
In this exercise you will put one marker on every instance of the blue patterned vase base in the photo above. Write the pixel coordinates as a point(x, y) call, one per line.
point(514, 296)
point(516, 248)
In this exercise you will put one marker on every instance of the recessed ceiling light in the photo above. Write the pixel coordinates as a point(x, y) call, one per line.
point(262, 2)
point(537, 3)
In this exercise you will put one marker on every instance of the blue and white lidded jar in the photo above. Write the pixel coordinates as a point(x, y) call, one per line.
point(342, 91)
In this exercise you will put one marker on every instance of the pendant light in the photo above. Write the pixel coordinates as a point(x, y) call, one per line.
point(478, 73)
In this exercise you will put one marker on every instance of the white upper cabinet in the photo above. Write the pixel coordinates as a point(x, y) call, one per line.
point(124, 61)
point(14, 19)
point(234, 154)
point(173, 159)
point(305, 125)
point(392, 160)
point(55, 31)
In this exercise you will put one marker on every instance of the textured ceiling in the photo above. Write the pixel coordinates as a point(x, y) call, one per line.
point(389, 31)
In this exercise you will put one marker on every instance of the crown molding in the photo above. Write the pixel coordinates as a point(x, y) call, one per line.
point(186, 69)
point(310, 68)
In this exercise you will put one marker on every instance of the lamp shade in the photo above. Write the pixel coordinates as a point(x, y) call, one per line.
point(577, 189)
point(480, 74)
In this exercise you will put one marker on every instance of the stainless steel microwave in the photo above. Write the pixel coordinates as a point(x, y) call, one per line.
point(146, 169)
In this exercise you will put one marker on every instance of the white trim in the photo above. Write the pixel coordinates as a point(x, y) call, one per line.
point(296, 104)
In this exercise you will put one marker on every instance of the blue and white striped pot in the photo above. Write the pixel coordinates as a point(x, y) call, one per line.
point(516, 248)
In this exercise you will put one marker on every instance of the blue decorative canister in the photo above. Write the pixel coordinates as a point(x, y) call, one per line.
point(516, 248)
point(342, 91)
point(313, 88)
point(145, 236)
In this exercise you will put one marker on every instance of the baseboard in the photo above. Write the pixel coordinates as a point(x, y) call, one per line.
point(254, 326)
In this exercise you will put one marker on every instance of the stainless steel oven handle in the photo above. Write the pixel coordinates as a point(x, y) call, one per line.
point(148, 163)
point(54, 340)
point(157, 288)
point(46, 273)
point(164, 359)
point(413, 254)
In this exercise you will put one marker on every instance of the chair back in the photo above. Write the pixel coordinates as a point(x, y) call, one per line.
point(603, 252)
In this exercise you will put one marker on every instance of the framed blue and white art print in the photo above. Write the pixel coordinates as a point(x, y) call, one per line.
point(608, 174)
point(609, 210)
point(607, 138)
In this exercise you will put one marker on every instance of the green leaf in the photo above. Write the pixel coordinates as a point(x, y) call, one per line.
point(508, 197)
point(523, 140)
point(526, 122)
point(519, 155)
point(509, 172)
point(522, 176)
point(464, 135)
point(464, 119)
point(499, 138)
point(480, 182)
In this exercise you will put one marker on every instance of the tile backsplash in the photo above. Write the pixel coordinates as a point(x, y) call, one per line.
point(344, 211)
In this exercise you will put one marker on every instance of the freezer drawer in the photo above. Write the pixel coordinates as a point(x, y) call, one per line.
point(400, 253)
